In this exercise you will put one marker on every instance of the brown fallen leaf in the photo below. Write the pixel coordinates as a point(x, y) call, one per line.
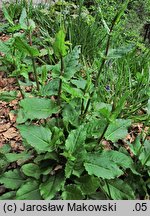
point(4, 127)
point(137, 127)
point(12, 117)
point(12, 80)
point(130, 137)
point(10, 133)
point(16, 146)
point(3, 83)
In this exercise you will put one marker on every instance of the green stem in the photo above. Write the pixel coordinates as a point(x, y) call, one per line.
point(82, 107)
point(104, 131)
point(32, 57)
point(35, 73)
point(20, 89)
point(60, 81)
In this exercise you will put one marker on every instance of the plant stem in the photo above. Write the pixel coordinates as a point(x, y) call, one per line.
point(35, 73)
point(60, 81)
point(101, 137)
point(20, 89)
point(32, 57)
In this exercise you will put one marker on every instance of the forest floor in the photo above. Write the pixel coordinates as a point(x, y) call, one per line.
point(8, 130)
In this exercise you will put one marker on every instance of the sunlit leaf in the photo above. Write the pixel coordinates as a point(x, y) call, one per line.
point(38, 137)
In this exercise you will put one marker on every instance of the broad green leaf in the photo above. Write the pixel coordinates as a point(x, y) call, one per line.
point(119, 158)
point(51, 88)
point(23, 19)
point(21, 157)
point(70, 115)
point(119, 190)
point(103, 109)
point(72, 192)
point(57, 136)
point(136, 146)
point(145, 155)
point(37, 108)
point(108, 163)
point(55, 70)
point(47, 170)
point(47, 67)
point(95, 127)
point(4, 48)
point(100, 195)
point(102, 167)
point(79, 83)
point(8, 196)
point(21, 45)
point(44, 52)
point(21, 116)
point(48, 155)
point(5, 149)
point(38, 137)
point(12, 179)
point(71, 63)
point(4, 26)
point(14, 28)
point(31, 170)
point(32, 25)
point(75, 140)
point(91, 145)
point(52, 185)
point(60, 49)
point(75, 166)
point(88, 184)
point(29, 191)
point(75, 92)
point(24, 22)
point(117, 130)
point(3, 162)
point(8, 96)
